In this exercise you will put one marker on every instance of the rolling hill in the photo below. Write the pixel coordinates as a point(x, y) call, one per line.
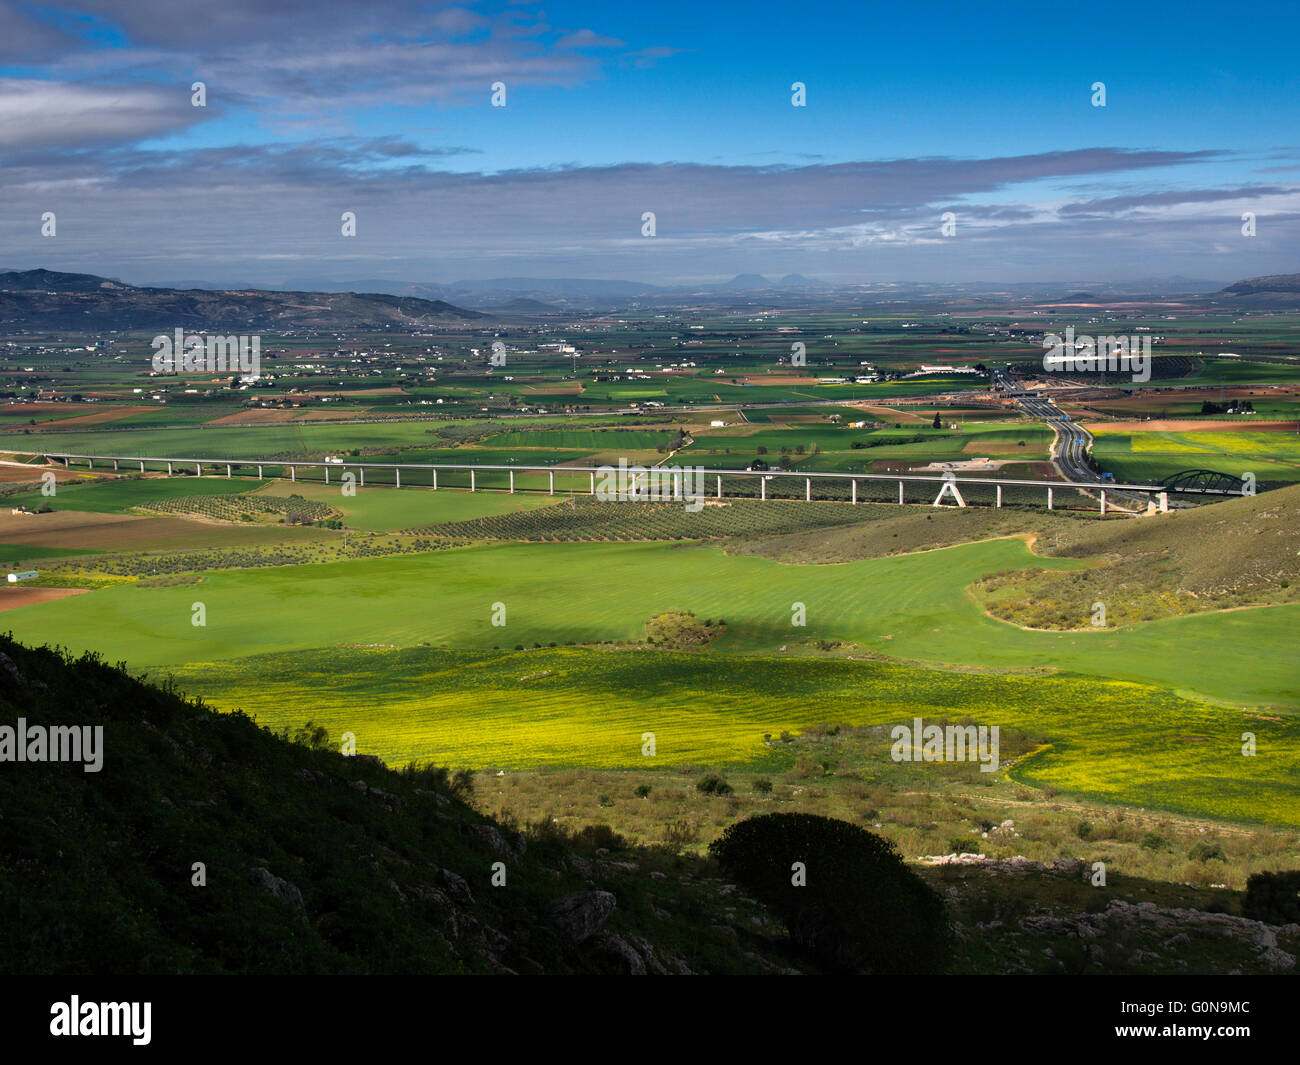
point(44, 299)
point(1235, 554)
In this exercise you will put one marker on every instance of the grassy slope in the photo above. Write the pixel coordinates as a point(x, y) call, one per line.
point(896, 531)
point(1238, 553)
point(392, 509)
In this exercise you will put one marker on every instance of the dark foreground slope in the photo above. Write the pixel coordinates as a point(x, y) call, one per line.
point(315, 863)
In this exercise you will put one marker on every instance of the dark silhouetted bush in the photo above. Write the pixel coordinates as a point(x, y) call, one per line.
point(713, 784)
point(1273, 898)
point(860, 910)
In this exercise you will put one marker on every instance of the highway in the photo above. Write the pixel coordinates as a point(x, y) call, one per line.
point(1072, 440)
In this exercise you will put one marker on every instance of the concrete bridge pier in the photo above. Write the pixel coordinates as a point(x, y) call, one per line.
point(362, 470)
point(1164, 502)
point(854, 485)
point(762, 486)
point(198, 469)
point(1049, 499)
point(397, 473)
point(719, 486)
point(169, 469)
point(115, 464)
point(435, 480)
point(999, 501)
point(259, 473)
point(900, 493)
point(1103, 502)
point(593, 484)
point(552, 492)
point(512, 482)
point(227, 470)
point(293, 473)
point(327, 475)
point(471, 480)
point(807, 489)
point(142, 465)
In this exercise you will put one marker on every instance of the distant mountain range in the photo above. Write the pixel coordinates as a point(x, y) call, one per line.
point(46, 299)
point(578, 293)
point(497, 292)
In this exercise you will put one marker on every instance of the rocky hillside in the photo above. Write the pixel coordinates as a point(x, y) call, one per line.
point(312, 862)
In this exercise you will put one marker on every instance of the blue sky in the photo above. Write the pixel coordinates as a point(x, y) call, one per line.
point(683, 109)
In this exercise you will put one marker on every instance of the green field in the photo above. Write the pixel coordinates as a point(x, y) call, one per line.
point(11, 553)
point(910, 607)
point(118, 496)
point(1149, 457)
point(583, 439)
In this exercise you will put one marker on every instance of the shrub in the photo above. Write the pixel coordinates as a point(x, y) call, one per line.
point(312, 735)
point(428, 776)
point(642, 791)
point(1153, 841)
point(1273, 898)
point(713, 784)
point(861, 908)
point(1083, 829)
point(1220, 903)
point(462, 783)
point(763, 786)
point(598, 837)
point(1207, 852)
point(680, 832)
